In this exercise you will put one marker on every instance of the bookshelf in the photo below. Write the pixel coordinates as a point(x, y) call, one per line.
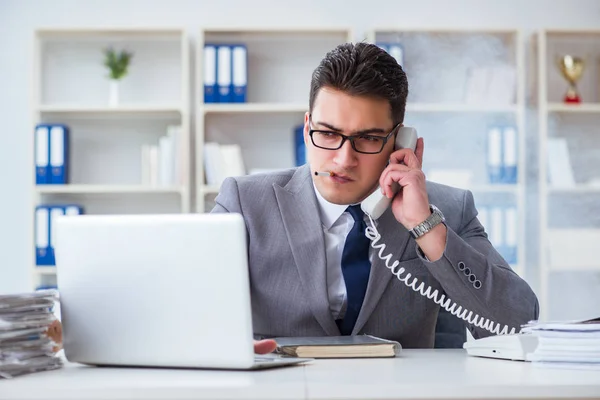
point(569, 184)
point(105, 171)
point(454, 124)
point(280, 62)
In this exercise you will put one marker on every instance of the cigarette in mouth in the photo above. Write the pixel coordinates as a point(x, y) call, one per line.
point(323, 173)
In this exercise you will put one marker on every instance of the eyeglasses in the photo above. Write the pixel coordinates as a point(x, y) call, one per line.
point(365, 144)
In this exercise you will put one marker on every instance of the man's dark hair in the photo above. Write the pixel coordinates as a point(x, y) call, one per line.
point(362, 69)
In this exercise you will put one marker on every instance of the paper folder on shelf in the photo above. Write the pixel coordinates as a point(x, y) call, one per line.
point(224, 73)
point(42, 236)
point(210, 74)
point(494, 155)
point(42, 154)
point(59, 155)
point(239, 72)
point(509, 155)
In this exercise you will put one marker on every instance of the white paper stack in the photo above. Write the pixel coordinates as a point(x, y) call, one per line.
point(574, 344)
point(162, 163)
point(222, 161)
point(25, 346)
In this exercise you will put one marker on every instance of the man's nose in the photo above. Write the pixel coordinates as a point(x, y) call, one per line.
point(345, 155)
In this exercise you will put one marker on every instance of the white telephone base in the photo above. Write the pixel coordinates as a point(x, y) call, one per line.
point(509, 347)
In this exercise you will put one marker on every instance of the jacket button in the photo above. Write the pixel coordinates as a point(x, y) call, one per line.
point(472, 278)
point(467, 271)
point(477, 284)
point(461, 265)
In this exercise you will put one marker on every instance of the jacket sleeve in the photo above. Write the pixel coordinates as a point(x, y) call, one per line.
point(228, 199)
point(481, 283)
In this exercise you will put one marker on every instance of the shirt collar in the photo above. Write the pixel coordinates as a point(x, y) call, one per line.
point(329, 212)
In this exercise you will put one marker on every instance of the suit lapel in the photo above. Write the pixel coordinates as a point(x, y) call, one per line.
point(395, 238)
point(298, 206)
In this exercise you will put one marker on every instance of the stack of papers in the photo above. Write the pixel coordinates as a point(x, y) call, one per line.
point(25, 345)
point(573, 344)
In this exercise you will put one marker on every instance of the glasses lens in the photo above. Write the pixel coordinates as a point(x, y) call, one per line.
point(327, 140)
point(368, 144)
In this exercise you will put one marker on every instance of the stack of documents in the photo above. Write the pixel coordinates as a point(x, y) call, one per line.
point(25, 344)
point(567, 344)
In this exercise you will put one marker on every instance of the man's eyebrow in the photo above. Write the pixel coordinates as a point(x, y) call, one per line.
point(361, 132)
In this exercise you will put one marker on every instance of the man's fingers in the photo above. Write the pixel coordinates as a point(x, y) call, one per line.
point(264, 346)
point(406, 157)
point(390, 175)
point(419, 150)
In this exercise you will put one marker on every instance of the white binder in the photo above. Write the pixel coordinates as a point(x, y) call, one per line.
point(224, 73)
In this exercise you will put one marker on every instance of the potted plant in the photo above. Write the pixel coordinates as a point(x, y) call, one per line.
point(118, 66)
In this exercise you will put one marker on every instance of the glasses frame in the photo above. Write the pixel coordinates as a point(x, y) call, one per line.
point(350, 138)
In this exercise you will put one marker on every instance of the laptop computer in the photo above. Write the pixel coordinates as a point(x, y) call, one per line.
point(157, 291)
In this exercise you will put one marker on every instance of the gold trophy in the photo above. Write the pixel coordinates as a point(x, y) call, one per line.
point(571, 68)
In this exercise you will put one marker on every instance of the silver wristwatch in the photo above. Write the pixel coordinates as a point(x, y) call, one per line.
point(434, 219)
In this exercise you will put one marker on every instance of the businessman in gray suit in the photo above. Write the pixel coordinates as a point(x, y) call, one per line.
point(312, 269)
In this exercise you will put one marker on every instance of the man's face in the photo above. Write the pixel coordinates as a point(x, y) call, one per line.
point(357, 175)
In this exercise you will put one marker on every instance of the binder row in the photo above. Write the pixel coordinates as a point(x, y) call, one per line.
point(51, 154)
point(395, 50)
point(45, 215)
point(225, 73)
point(502, 154)
point(500, 222)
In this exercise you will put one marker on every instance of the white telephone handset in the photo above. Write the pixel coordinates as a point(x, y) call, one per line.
point(376, 204)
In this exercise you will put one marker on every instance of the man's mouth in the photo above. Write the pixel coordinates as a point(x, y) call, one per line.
point(340, 178)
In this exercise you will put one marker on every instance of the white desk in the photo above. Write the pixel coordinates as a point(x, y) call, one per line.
point(416, 374)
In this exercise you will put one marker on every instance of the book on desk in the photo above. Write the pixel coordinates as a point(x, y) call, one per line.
point(360, 346)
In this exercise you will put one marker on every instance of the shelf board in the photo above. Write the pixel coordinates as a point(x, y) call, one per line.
point(216, 108)
point(574, 108)
point(124, 109)
point(575, 267)
point(460, 107)
point(105, 189)
point(495, 188)
point(207, 189)
point(45, 270)
point(575, 189)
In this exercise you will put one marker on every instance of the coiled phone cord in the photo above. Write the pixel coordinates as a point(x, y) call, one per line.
point(419, 287)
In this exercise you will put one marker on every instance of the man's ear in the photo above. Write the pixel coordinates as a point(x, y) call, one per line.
point(306, 128)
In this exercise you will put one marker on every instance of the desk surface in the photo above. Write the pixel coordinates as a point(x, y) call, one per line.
point(434, 374)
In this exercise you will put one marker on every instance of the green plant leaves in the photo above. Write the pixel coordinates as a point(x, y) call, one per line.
point(117, 62)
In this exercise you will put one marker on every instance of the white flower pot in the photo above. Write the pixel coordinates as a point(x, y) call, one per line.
point(113, 99)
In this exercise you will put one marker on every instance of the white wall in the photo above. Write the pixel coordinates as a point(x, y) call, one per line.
point(19, 18)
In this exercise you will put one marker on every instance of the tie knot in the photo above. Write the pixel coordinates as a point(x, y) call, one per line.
point(356, 212)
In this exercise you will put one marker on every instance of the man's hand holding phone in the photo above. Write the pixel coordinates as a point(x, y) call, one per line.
point(410, 205)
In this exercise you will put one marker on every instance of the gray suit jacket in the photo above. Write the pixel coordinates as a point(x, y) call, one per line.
point(288, 267)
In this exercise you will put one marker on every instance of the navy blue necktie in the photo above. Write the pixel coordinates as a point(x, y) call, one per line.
point(355, 268)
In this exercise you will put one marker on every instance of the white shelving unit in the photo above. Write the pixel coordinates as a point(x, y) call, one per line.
point(569, 278)
point(437, 63)
point(70, 87)
point(280, 65)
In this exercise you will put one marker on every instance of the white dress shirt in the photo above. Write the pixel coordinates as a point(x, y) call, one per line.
point(336, 224)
